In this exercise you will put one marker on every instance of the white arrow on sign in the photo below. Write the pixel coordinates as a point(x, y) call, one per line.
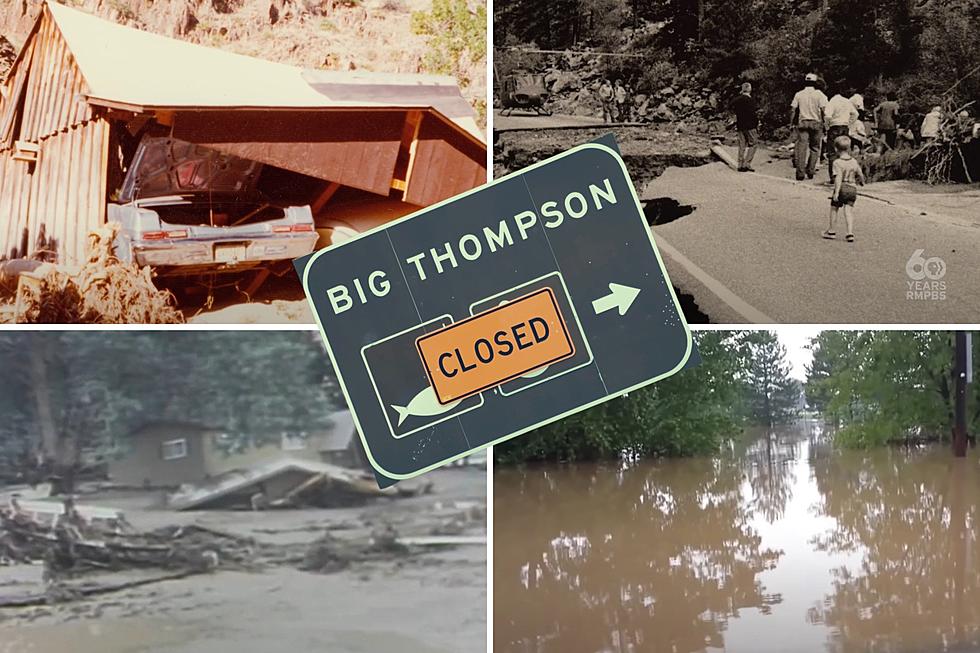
point(621, 297)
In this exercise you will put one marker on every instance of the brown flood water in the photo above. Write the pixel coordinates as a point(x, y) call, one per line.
point(792, 547)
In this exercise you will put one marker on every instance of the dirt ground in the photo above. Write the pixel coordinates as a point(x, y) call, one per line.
point(280, 300)
point(647, 151)
point(430, 602)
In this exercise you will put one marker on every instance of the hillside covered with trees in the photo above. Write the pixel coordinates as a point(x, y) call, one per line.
point(925, 50)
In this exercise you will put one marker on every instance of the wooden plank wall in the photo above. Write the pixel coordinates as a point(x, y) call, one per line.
point(47, 208)
point(443, 164)
point(353, 148)
point(54, 89)
point(50, 211)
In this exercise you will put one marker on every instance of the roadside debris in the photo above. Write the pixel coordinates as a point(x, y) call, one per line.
point(330, 554)
point(63, 552)
point(102, 290)
point(70, 544)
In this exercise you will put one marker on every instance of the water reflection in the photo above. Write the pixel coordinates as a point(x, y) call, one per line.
point(779, 545)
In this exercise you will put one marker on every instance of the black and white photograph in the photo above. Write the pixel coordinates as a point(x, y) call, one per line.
point(809, 161)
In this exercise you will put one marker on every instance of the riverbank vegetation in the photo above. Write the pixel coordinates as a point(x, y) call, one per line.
point(742, 379)
point(880, 387)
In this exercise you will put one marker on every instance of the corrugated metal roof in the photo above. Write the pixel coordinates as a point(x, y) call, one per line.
point(126, 66)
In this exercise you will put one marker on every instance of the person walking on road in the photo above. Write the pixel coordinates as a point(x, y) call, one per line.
point(622, 102)
point(746, 111)
point(807, 108)
point(847, 174)
point(886, 117)
point(840, 114)
point(606, 100)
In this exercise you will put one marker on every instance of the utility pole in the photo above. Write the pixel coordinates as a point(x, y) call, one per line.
point(962, 375)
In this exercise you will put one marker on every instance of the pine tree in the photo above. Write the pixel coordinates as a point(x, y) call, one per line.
point(774, 395)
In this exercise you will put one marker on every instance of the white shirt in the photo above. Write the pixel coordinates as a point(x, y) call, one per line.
point(858, 130)
point(840, 112)
point(811, 103)
point(930, 124)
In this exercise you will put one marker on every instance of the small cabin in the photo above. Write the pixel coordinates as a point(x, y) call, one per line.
point(83, 92)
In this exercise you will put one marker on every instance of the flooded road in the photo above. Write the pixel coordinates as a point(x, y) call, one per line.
point(781, 545)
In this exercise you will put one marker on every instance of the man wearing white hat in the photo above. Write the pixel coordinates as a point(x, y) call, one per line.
point(807, 112)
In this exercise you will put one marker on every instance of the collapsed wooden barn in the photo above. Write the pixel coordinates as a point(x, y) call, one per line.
point(82, 91)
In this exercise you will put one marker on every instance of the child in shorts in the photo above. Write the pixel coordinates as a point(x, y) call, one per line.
point(847, 175)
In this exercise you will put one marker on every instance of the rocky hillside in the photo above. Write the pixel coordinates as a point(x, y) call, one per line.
point(573, 80)
point(373, 35)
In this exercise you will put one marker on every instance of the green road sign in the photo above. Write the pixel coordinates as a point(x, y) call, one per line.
point(501, 310)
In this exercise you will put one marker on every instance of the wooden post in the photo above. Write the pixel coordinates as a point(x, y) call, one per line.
point(960, 365)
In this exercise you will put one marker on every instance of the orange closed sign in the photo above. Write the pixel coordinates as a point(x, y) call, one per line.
point(495, 346)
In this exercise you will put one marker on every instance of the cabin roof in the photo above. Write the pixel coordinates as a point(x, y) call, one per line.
point(125, 67)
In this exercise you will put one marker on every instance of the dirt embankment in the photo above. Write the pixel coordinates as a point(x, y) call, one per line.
point(374, 35)
point(647, 151)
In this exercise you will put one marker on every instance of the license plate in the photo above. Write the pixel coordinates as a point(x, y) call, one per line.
point(229, 253)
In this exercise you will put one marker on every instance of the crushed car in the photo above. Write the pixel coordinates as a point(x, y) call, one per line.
point(185, 209)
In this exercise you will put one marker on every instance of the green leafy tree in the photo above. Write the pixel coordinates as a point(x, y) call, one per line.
point(457, 37)
point(828, 372)
point(949, 66)
point(886, 386)
point(688, 413)
point(72, 397)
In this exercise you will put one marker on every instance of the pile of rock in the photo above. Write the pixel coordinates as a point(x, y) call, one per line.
point(573, 81)
point(679, 101)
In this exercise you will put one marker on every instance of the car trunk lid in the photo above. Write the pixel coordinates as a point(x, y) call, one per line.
point(165, 166)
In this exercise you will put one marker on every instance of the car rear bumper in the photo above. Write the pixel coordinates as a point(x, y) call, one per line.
point(191, 256)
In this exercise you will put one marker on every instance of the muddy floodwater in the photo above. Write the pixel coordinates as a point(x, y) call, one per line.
point(779, 544)
point(432, 601)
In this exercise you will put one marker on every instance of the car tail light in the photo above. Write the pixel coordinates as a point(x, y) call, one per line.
point(160, 235)
point(286, 228)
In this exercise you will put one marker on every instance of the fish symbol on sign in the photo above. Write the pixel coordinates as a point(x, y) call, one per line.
point(423, 404)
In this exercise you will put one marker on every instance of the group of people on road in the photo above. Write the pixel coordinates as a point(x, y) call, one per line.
point(615, 100)
point(838, 128)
